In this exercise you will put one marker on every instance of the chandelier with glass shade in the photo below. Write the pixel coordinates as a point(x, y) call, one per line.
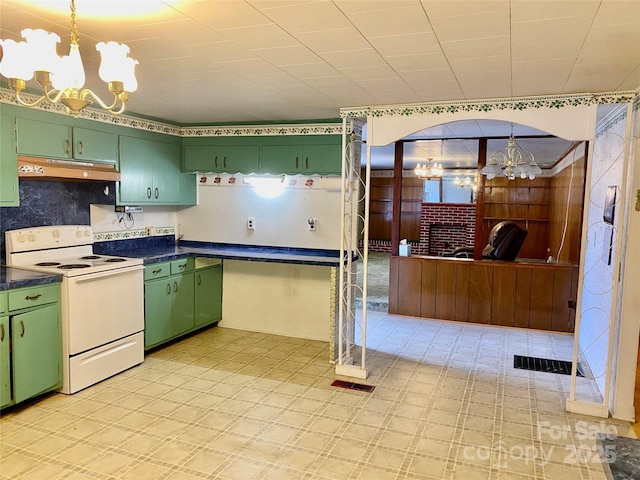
point(62, 77)
point(512, 162)
point(429, 170)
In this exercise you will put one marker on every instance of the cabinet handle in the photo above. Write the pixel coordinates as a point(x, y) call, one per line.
point(67, 146)
point(215, 161)
point(156, 271)
point(296, 162)
point(224, 162)
point(22, 325)
point(32, 297)
point(306, 163)
point(199, 280)
point(168, 289)
point(156, 192)
point(175, 286)
point(2, 332)
point(149, 192)
point(80, 148)
point(182, 266)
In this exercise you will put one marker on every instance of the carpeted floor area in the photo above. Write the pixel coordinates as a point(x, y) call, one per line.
point(377, 282)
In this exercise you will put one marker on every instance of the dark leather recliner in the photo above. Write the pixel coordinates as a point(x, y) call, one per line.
point(505, 240)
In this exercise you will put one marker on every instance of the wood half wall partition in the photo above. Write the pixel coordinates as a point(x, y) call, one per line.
point(515, 294)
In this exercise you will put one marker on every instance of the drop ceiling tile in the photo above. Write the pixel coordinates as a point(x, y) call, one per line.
point(479, 65)
point(618, 12)
point(399, 95)
point(598, 77)
point(358, 6)
point(405, 18)
point(259, 37)
point(447, 8)
point(465, 27)
point(492, 84)
point(299, 17)
point(220, 52)
point(631, 82)
point(522, 11)
point(330, 83)
point(481, 47)
point(223, 13)
point(419, 62)
point(334, 40)
point(417, 78)
point(611, 43)
point(414, 43)
point(353, 58)
point(571, 31)
point(311, 70)
point(274, 79)
point(295, 55)
point(544, 50)
point(369, 72)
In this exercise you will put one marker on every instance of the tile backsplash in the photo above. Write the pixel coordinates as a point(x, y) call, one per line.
point(45, 202)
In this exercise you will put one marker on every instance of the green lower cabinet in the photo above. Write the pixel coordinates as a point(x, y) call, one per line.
point(179, 303)
point(5, 361)
point(208, 295)
point(158, 301)
point(182, 314)
point(36, 352)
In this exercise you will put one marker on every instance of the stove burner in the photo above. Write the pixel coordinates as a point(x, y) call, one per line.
point(90, 257)
point(112, 260)
point(48, 264)
point(70, 266)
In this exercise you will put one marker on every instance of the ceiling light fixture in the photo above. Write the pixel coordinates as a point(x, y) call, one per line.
point(37, 56)
point(511, 162)
point(429, 170)
point(466, 182)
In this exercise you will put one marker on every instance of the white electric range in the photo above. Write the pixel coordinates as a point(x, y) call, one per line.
point(102, 300)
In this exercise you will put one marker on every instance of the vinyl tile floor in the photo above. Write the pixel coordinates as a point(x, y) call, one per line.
point(231, 404)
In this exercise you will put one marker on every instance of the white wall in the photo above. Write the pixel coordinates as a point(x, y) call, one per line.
point(223, 209)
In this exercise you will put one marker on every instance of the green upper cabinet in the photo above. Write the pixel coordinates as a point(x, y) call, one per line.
point(95, 146)
point(221, 158)
point(53, 140)
point(9, 196)
point(322, 159)
point(150, 174)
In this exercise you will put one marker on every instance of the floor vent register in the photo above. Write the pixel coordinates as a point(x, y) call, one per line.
point(353, 386)
point(544, 365)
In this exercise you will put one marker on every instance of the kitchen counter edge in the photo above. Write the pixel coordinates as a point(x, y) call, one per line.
point(12, 278)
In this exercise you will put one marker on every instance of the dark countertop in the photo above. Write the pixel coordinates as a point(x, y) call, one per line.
point(621, 457)
point(11, 278)
point(162, 253)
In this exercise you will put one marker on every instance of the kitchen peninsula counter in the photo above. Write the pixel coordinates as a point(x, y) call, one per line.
point(11, 278)
point(525, 294)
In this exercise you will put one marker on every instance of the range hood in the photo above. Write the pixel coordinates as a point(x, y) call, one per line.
point(51, 169)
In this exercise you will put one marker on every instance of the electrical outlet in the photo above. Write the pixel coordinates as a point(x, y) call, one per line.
point(251, 223)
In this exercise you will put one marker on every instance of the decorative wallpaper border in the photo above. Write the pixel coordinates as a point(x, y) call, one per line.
point(334, 128)
point(129, 234)
point(515, 103)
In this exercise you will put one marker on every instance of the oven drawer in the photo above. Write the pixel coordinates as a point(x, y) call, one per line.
point(32, 297)
point(157, 270)
point(182, 266)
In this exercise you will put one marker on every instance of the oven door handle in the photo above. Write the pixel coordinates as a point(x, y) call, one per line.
point(108, 273)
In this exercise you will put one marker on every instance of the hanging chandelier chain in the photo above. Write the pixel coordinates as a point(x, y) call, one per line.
point(75, 36)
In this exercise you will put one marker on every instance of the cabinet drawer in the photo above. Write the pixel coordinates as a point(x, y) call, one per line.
point(31, 297)
point(157, 270)
point(4, 308)
point(182, 266)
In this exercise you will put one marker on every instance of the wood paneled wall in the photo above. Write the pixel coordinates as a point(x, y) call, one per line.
point(381, 204)
point(489, 292)
point(567, 192)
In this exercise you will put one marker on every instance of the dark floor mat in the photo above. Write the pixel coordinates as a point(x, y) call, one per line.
point(544, 365)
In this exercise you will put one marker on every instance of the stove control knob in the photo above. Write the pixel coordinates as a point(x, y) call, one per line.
point(31, 238)
point(56, 234)
point(86, 233)
point(21, 238)
point(78, 233)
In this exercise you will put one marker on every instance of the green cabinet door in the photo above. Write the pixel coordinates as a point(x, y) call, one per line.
point(9, 196)
point(208, 295)
point(182, 310)
point(221, 158)
point(5, 360)
point(167, 176)
point(200, 158)
point(322, 159)
point(36, 351)
point(240, 159)
point(42, 139)
point(158, 301)
point(136, 171)
point(277, 159)
point(95, 146)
